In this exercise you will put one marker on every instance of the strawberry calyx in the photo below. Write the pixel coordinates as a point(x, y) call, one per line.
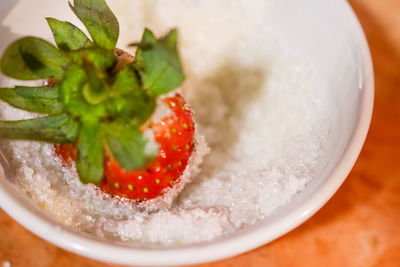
point(96, 100)
point(175, 135)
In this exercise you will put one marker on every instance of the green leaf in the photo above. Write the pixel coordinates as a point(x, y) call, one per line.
point(90, 152)
point(99, 21)
point(35, 99)
point(159, 63)
point(55, 129)
point(144, 106)
point(31, 58)
point(129, 100)
point(128, 145)
point(100, 57)
point(137, 108)
point(68, 37)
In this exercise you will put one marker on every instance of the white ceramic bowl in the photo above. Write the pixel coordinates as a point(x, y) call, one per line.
point(329, 36)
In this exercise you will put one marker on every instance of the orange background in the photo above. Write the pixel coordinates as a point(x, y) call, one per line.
point(360, 225)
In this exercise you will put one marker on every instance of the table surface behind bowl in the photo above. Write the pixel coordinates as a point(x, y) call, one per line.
point(358, 226)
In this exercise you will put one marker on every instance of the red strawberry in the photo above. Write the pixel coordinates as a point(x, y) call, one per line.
point(175, 136)
point(98, 99)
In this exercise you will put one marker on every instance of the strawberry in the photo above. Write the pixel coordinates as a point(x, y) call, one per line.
point(175, 135)
point(99, 100)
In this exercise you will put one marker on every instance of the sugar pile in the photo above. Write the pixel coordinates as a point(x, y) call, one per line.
point(257, 105)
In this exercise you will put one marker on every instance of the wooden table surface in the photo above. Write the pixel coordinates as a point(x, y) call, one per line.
point(360, 225)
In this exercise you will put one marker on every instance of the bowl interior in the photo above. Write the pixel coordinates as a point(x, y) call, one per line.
point(326, 34)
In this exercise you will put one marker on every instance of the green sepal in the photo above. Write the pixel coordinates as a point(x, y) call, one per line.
point(101, 58)
point(129, 101)
point(42, 99)
point(158, 63)
point(89, 162)
point(99, 21)
point(128, 145)
point(55, 129)
point(144, 106)
point(68, 37)
point(136, 108)
point(31, 58)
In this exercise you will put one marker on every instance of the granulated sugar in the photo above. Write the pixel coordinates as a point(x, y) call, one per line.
point(257, 105)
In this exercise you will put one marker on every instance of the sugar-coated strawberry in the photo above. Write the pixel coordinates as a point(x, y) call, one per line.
point(98, 102)
point(175, 135)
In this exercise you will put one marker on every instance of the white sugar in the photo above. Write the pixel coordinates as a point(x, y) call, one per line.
point(257, 105)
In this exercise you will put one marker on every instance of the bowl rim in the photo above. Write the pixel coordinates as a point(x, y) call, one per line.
point(244, 241)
